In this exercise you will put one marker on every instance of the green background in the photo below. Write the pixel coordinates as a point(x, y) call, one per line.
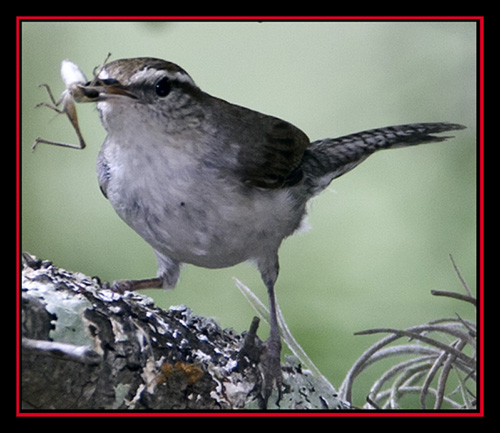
point(380, 236)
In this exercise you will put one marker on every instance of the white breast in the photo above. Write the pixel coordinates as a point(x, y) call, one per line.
point(188, 212)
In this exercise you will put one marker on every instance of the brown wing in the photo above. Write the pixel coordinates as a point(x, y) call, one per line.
point(275, 159)
point(268, 150)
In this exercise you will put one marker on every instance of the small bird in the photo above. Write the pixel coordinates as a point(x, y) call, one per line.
point(214, 184)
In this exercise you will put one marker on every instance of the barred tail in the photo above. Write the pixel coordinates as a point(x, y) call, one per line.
point(327, 159)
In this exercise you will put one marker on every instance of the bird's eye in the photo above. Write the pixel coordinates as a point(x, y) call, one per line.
point(162, 87)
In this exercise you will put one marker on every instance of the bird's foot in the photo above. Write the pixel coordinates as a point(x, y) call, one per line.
point(123, 286)
point(268, 356)
point(270, 362)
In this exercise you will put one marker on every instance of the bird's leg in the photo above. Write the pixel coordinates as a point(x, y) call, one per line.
point(267, 354)
point(271, 357)
point(167, 276)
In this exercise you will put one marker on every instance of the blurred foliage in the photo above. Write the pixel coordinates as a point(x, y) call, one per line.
point(381, 235)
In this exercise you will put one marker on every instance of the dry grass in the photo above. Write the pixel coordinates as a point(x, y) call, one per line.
point(439, 363)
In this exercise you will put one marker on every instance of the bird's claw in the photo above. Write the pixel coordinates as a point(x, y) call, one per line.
point(267, 356)
point(271, 370)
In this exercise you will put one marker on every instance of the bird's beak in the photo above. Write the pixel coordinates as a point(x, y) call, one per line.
point(100, 90)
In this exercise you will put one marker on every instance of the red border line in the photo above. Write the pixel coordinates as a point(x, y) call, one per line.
point(256, 18)
point(481, 214)
point(479, 413)
point(18, 214)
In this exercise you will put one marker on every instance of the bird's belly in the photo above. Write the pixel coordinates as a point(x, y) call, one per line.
point(206, 225)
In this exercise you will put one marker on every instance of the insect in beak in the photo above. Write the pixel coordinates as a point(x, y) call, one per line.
point(78, 89)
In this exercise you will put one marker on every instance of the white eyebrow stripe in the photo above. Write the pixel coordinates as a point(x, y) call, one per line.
point(104, 75)
point(184, 78)
point(151, 74)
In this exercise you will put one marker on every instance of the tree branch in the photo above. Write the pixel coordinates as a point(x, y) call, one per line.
point(88, 348)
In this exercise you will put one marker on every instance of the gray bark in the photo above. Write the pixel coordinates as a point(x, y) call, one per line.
point(85, 347)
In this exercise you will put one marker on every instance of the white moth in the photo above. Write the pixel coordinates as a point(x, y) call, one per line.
point(71, 74)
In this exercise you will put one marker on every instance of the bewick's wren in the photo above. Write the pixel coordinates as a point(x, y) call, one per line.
point(214, 184)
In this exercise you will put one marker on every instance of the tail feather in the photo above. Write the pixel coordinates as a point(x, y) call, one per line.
point(327, 159)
